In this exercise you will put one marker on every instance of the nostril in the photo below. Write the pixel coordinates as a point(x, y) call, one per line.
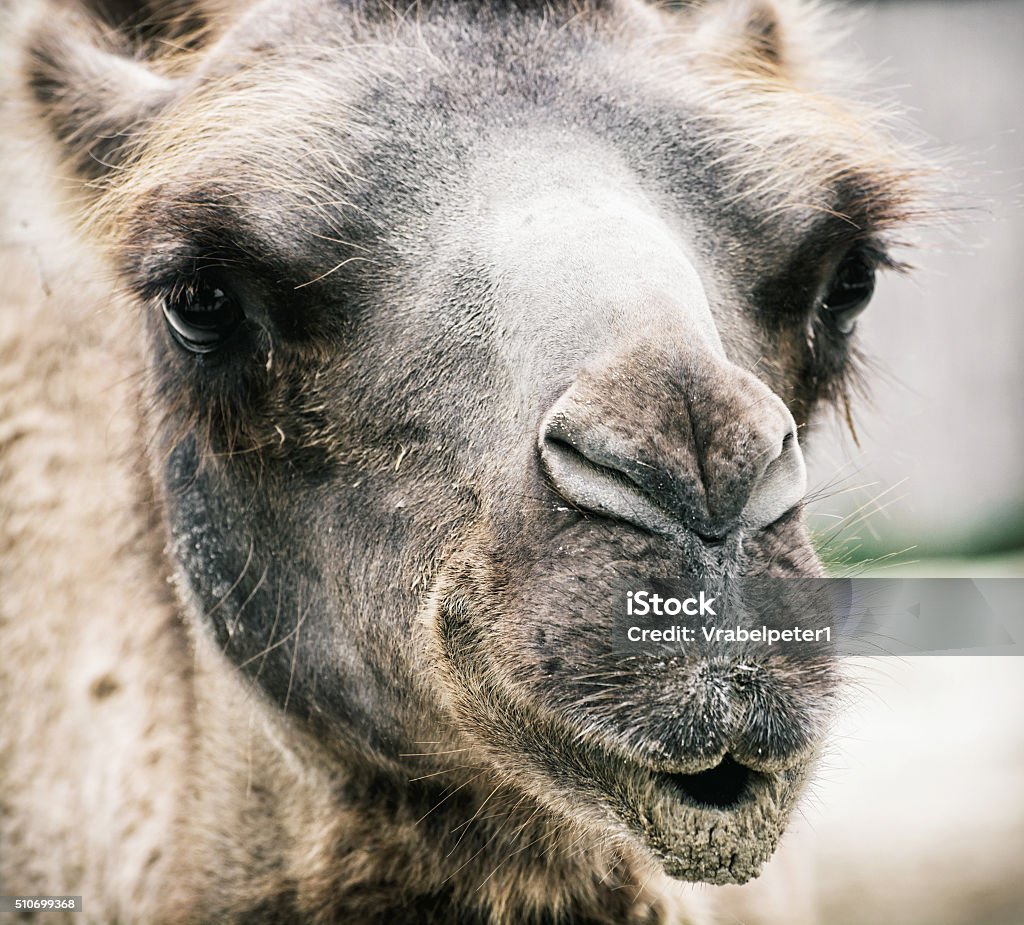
point(559, 451)
point(780, 487)
point(562, 445)
point(591, 485)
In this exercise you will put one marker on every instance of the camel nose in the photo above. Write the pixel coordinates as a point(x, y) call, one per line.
point(703, 447)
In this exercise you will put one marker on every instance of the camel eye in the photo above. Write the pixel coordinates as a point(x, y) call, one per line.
point(850, 291)
point(202, 316)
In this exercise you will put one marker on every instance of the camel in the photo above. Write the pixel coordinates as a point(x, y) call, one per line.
point(358, 359)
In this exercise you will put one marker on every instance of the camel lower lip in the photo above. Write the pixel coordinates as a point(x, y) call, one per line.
point(720, 825)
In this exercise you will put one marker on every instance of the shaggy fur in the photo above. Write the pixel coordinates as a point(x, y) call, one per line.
point(299, 630)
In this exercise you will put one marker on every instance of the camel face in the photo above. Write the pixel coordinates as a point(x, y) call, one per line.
point(459, 326)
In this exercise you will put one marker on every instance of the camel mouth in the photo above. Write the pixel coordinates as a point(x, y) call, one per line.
point(708, 815)
point(723, 787)
point(719, 825)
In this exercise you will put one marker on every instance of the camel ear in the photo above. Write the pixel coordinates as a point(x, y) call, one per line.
point(161, 19)
point(95, 86)
point(748, 34)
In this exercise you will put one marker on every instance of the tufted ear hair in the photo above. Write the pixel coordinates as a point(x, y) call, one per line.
point(95, 88)
point(153, 18)
point(121, 14)
point(750, 35)
point(100, 69)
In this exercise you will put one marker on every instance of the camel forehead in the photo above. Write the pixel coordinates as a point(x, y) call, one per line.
point(346, 124)
point(276, 85)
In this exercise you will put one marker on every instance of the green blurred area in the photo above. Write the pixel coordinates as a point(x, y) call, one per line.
point(995, 549)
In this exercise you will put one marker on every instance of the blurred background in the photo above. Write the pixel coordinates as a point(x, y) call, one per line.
point(919, 813)
point(941, 461)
